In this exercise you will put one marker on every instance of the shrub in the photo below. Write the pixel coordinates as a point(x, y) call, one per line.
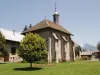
point(78, 59)
point(85, 58)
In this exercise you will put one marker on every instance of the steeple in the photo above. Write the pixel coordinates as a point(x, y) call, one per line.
point(56, 16)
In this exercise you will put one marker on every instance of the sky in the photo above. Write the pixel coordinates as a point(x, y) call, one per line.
point(80, 17)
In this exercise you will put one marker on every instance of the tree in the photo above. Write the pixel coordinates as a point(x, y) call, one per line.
point(98, 47)
point(32, 48)
point(25, 28)
point(3, 46)
point(77, 51)
point(30, 26)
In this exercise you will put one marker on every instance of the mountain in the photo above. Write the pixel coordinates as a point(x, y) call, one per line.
point(89, 47)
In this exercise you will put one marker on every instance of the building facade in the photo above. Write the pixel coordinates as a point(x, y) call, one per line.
point(58, 39)
point(13, 40)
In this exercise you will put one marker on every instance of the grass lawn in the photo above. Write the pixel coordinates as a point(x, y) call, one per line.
point(68, 68)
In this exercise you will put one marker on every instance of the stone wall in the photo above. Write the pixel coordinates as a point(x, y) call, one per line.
point(58, 48)
point(13, 57)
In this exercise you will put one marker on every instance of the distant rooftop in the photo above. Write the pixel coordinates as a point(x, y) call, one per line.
point(11, 35)
point(86, 53)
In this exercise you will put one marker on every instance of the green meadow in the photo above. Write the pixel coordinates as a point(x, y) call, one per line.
point(68, 68)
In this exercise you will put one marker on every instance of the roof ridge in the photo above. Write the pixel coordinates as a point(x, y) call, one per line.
point(47, 23)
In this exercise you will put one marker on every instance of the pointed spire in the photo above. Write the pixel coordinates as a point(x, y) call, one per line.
point(56, 9)
point(55, 6)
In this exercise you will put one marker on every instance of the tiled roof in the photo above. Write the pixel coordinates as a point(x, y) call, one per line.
point(10, 35)
point(47, 24)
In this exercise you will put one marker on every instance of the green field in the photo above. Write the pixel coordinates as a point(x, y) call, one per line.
point(68, 68)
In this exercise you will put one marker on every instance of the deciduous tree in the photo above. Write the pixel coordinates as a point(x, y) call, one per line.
point(32, 48)
point(3, 46)
point(98, 47)
point(25, 28)
point(77, 51)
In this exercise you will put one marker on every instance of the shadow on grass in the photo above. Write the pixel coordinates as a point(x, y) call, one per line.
point(27, 69)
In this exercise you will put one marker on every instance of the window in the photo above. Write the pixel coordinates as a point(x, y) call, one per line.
point(13, 50)
point(55, 36)
point(64, 38)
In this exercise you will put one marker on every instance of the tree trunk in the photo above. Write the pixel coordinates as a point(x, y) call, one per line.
point(30, 65)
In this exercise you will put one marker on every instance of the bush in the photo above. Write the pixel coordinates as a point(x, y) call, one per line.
point(78, 59)
point(24, 61)
point(85, 58)
point(41, 62)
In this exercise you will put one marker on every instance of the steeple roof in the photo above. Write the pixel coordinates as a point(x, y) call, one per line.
point(47, 24)
point(56, 13)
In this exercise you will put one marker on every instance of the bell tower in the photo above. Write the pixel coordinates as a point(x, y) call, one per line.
point(56, 16)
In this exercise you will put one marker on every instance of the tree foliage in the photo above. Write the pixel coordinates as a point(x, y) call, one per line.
point(98, 46)
point(32, 48)
point(77, 51)
point(3, 46)
point(25, 28)
point(30, 26)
